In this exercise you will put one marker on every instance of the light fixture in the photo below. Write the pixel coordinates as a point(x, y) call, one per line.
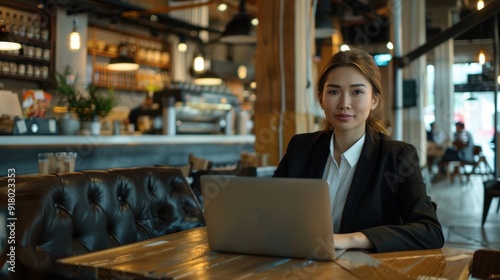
point(323, 21)
point(124, 62)
point(242, 72)
point(390, 46)
point(199, 63)
point(480, 5)
point(482, 57)
point(239, 30)
point(471, 97)
point(74, 36)
point(7, 40)
point(207, 78)
point(344, 47)
point(222, 7)
point(182, 46)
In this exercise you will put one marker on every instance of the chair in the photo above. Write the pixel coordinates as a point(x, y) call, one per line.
point(485, 264)
point(478, 166)
point(198, 163)
point(185, 169)
point(491, 190)
point(254, 159)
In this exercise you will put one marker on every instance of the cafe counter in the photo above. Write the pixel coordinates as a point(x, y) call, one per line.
point(102, 152)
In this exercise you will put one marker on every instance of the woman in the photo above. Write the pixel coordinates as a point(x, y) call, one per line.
point(379, 199)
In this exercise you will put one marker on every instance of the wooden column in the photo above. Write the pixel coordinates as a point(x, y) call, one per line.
point(272, 81)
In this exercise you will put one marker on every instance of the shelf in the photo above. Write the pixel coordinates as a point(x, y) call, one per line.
point(34, 42)
point(102, 53)
point(17, 58)
point(118, 87)
point(153, 64)
point(26, 78)
point(141, 62)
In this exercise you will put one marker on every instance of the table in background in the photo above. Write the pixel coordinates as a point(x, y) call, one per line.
point(185, 255)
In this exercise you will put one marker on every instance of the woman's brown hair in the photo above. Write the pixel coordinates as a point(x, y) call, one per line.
point(364, 62)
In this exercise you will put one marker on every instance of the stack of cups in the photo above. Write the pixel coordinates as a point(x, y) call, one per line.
point(56, 162)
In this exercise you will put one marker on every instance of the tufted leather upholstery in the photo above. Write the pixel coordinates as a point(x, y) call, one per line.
point(70, 214)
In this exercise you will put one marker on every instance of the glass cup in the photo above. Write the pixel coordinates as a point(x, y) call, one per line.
point(44, 162)
point(65, 162)
point(69, 161)
point(56, 162)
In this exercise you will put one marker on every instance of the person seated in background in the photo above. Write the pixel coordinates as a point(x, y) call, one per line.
point(462, 148)
point(435, 146)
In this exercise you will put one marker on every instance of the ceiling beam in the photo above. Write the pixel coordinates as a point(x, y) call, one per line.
point(454, 31)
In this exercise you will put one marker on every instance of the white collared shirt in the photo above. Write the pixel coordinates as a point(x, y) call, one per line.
point(340, 178)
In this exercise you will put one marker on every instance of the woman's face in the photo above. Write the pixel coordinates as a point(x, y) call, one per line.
point(347, 99)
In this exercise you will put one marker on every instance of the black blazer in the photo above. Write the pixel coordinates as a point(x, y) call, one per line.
point(387, 200)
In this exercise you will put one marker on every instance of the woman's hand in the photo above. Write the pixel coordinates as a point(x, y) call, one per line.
point(355, 240)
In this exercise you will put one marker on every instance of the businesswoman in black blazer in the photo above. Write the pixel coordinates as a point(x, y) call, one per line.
point(379, 199)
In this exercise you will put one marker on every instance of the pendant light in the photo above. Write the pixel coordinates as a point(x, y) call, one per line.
point(182, 46)
point(482, 57)
point(124, 62)
point(239, 30)
point(7, 40)
point(207, 78)
point(74, 37)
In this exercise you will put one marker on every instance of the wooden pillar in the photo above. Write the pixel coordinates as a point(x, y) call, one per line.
point(275, 78)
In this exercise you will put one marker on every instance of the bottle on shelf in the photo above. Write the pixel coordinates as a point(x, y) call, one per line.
point(14, 25)
point(8, 22)
point(29, 28)
point(36, 27)
point(21, 29)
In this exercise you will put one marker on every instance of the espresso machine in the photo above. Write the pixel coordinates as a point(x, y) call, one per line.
point(193, 109)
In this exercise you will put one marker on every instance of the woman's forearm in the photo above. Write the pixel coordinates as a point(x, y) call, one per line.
point(355, 240)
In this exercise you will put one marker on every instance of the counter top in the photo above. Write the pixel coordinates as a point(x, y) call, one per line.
point(29, 140)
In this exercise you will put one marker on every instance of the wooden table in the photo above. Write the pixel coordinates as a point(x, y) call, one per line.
point(185, 255)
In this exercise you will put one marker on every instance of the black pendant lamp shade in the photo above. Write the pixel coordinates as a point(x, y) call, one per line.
point(124, 62)
point(207, 78)
point(239, 30)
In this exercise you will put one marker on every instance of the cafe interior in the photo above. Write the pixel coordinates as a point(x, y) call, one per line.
point(114, 114)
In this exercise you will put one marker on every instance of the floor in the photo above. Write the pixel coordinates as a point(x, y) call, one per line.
point(460, 210)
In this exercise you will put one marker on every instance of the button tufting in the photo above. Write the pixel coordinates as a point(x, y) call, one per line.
point(120, 197)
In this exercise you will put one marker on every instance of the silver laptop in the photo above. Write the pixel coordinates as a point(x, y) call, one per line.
point(284, 217)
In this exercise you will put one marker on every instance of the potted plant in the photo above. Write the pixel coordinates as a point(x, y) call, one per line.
point(88, 107)
point(66, 85)
point(92, 107)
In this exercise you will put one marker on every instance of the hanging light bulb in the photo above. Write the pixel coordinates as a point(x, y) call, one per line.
point(199, 63)
point(74, 37)
point(390, 46)
point(182, 46)
point(242, 72)
point(344, 47)
point(482, 57)
point(480, 4)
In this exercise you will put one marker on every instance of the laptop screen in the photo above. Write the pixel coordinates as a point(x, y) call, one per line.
point(285, 217)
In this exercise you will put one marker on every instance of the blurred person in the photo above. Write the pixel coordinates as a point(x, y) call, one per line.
point(462, 148)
